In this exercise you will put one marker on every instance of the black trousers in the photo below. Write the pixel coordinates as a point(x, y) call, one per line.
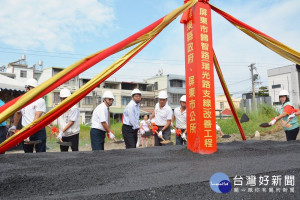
point(40, 135)
point(74, 139)
point(130, 136)
point(166, 135)
point(291, 134)
point(179, 140)
point(97, 139)
point(3, 133)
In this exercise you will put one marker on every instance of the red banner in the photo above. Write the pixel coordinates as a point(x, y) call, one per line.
point(201, 117)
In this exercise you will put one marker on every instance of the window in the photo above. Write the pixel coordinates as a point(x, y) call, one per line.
point(128, 86)
point(276, 86)
point(174, 98)
point(71, 82)
point(56, 98)
point(23, 74)
point(147, 102)
point(156, 86)
point(176, 83)
point(88, 100)
point(222, 105)
point(125, 100)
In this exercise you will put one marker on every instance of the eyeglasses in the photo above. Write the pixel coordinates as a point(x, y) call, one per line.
point(110, 99)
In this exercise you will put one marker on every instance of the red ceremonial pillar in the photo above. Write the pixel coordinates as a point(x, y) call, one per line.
point(201, 117)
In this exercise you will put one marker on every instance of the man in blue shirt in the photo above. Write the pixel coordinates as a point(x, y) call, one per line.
point(2, 127)
point(131, 119)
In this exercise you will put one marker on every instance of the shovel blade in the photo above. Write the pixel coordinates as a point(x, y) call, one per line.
point(264, 125)
point(226, 136)
point(244, 118)
point(166, 142)
point(33, 142)
point(67, 144)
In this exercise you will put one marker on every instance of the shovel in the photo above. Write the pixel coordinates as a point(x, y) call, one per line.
point(264, 125)
point(166, 142)
point(180, 134)
point(62, 143)
point(118, 141)
point(226, 136)
point(244, 118)
point(286, 124)
point(33, 142)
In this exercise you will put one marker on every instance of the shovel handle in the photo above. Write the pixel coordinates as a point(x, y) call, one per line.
point(160, 137)
point(150, 126)
point(179, 133)
point(58, 138)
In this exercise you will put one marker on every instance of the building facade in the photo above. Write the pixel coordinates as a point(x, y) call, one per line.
point(122, 92)
point(52, 98)
point(173, 84)
point(284, 78)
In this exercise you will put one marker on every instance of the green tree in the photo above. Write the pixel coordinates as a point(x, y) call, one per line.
point(263, 91)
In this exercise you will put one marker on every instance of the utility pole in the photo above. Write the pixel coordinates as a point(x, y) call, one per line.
point(253, 85)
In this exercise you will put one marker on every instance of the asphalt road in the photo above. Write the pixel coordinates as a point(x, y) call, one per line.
point(168, 172)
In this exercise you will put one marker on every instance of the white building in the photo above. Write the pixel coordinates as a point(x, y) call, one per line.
point(174, 85)
point(122, 93)
point(20, 70)
point(52, 98)
point(284, 78)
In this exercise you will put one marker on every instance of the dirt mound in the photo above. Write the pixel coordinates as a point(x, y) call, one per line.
point(169, 172)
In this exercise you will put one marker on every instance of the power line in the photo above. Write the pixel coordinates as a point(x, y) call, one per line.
point(181, 61)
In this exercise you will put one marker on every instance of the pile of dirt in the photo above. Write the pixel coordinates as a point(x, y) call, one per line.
point(169, 172)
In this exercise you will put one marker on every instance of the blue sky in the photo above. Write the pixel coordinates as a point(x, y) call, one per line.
point(62, 32)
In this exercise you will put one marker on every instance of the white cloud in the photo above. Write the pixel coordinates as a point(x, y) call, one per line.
point(52, 25)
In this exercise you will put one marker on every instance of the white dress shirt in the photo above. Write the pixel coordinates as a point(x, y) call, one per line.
point(100, 114)
point(131, 115)
point(28, 112)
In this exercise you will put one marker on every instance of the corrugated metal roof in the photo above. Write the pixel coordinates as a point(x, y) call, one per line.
point(11, 84)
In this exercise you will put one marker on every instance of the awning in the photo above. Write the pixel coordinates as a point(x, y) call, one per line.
point(121, 111)
point(7, 83)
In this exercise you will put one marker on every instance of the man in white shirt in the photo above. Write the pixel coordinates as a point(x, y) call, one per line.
point(162, 115)
point(68, 124)
point(131, 119)
point(30, 113)
point(101, 122)
point(180, 117)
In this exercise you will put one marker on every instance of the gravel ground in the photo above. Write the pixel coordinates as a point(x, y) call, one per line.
point(169, 172)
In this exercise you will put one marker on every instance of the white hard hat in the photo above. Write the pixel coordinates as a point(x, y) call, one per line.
point(183, 98)
point(135, 91)
point(108, 94)
point(31, 82)
point(64, 93)
point(284, 93)
point(162, 95)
